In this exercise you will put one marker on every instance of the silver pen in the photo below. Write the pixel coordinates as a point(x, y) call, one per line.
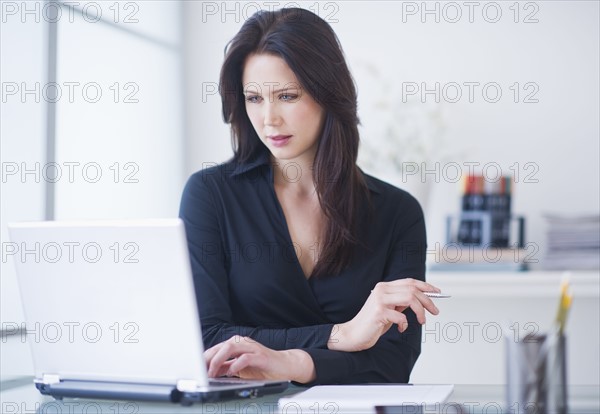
point(436, 295)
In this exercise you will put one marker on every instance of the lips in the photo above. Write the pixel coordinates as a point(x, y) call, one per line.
point(279, 140)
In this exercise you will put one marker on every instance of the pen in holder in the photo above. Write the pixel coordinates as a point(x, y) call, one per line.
point(536, 373)
point(536, 365)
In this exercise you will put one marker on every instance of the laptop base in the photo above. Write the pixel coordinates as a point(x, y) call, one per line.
point(109, 390)
point(188, 398)
point(152, 392)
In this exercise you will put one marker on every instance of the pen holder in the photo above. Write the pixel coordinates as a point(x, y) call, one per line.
point(536, 374)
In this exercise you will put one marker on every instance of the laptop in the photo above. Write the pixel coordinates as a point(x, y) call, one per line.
point(111, 312)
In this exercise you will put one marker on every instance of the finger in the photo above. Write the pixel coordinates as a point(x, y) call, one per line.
point(419, 284)
point(238, 364)
point(425, 286)
point(427, 303)
point(210, 352)
point(229, 349)
point(215, 364)
point(402, 322)
point(223, 370)
point(418, 309)
point(244, 361)
point(226, 352)
point(404, 299)
point(405, 296)
point(397, 317)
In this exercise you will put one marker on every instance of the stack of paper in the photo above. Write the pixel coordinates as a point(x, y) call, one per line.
point(573, 243)
point(364, 398)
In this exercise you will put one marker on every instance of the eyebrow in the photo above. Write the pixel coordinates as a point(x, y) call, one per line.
point(247, 91)
point(286, 89)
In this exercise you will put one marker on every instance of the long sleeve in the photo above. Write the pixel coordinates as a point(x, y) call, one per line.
point(394, 355)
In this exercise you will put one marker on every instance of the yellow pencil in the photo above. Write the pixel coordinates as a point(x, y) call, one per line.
point(564, 304)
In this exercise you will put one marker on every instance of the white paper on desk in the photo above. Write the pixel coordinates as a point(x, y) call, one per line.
point(362, 398)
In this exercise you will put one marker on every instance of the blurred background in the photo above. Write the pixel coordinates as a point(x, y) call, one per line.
point(108, 107)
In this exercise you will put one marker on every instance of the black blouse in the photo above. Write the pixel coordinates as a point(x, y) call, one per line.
point(249, 281)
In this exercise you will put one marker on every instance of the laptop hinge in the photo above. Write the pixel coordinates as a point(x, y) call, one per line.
point(187, 385)
point(49, 379)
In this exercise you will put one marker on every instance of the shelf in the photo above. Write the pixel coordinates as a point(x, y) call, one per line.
point(515, 284)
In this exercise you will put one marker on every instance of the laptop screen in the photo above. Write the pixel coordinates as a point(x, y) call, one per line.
point(109, 300)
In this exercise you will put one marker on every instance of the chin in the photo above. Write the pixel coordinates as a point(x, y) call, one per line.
point(284, 153)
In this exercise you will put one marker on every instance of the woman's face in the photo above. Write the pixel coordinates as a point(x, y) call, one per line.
point(287, 120)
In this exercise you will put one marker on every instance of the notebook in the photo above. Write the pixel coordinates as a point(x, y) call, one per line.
point(367, 398)
point(111, 312)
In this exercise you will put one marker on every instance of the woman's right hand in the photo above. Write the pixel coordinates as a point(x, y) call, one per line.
point(383, 308)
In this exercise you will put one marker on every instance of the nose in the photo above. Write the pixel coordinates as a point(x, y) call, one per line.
point(271, 114)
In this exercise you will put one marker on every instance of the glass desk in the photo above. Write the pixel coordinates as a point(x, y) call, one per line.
point(19, 396)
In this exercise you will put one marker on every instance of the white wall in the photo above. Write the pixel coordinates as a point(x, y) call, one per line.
point(552, 143)
point(206, 34)
point(23, 46)
point(128, 142)
point(119, 138)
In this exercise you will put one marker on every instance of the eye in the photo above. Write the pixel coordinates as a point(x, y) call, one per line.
point(288, 97)
point(253, 99)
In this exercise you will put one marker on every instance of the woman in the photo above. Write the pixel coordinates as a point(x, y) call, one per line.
point(302, 263)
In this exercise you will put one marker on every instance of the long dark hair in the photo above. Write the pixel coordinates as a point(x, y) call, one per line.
point(311, 49)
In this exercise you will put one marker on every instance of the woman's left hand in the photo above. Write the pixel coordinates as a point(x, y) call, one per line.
point(245, 358)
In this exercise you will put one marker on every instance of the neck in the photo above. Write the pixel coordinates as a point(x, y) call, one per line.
point(295, 176)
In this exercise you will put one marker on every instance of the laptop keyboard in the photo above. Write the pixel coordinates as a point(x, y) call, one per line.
point(234, 382)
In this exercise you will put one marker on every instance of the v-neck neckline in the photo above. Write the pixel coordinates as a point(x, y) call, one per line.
point(286, 226)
